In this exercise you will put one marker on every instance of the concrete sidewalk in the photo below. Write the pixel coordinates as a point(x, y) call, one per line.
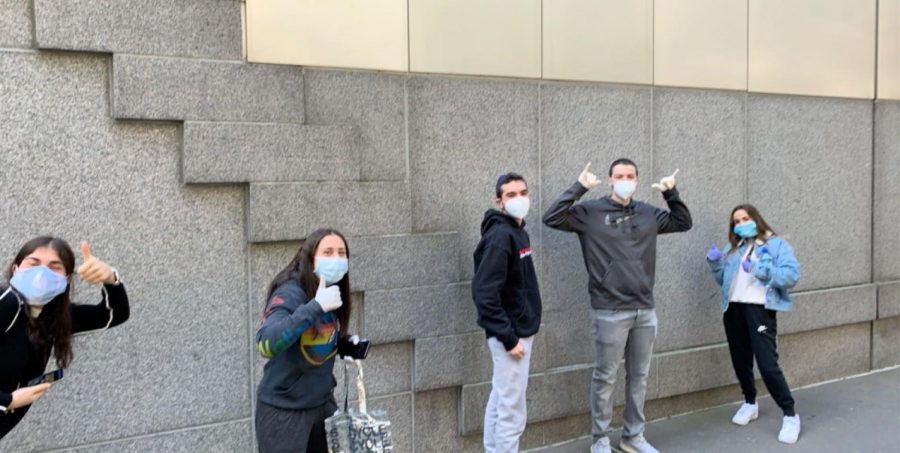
point(858, 414)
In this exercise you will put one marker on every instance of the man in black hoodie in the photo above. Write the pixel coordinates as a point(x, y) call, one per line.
point(505, 291)
point(618, 242)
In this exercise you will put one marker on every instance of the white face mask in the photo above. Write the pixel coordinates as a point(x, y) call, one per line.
point(624, 189)
point(517, 207)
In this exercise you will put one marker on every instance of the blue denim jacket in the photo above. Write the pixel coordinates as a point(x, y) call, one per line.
point(779, 275)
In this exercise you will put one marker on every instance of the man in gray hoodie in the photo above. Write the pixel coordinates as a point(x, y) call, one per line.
point(618, 242)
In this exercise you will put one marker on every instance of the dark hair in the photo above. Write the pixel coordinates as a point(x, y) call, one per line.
point(53, 328)
point(622, 161)
point(507, 178)
point(762, 228)
point(301, 269)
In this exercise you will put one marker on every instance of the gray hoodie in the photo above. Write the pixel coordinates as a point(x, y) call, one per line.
point(618, 243)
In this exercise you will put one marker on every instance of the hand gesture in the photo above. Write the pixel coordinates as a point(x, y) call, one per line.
point(28, 395)
point(93, 270)
point(588, 179)
point(713, 254)
point(329, 298)
point(519, 351)
point(666, 183)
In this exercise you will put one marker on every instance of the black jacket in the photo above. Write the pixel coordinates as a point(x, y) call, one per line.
point(618, 243)
point(505, 286)
point(21, 360)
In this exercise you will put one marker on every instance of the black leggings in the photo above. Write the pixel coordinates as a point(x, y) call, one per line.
point(751, 331)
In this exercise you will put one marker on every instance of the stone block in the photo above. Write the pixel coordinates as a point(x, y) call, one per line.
point(451, 361)
point(464, 133)
point(886, 342)
point(289, 211)
point(400, 412)
point(888, 299)
point(166, 88)
point(437, 423)
point(581, 124)
point(568, 337)
point(166, 240)
point(386, 370)
point(232, 436)
point(464, 359)
point(254, 152)
point(826, 354)
point(375, 104)
point(401, 261)
point(815, 310)
point(795, 145)
point(424, 311)
point(15, 23)
point(886, 228)
point(702, 134)
point(693, 370)
point(198, 28)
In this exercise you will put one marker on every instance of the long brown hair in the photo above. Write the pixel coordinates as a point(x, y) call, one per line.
point(53, 328)
point(762, 228)
point(301, 270)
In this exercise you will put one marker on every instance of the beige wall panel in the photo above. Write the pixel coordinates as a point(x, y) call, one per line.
point(889, 49)
point(812, 47)
point(368, 34)
point(599, 40)
point(700, 43)
point(479, 37)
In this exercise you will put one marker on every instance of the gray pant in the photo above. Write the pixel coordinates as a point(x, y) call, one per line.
point(506, 412)
point(616, 333)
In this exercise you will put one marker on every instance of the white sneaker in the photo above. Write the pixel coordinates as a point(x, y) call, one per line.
point(790, 430)
point(745, 414)
point(636, 444)
point(601, 446)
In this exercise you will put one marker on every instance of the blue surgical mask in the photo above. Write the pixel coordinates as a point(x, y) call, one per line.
point(517, 207)
point(38, 284)
point(746, 230)
point(624, 189)
point(332, 270)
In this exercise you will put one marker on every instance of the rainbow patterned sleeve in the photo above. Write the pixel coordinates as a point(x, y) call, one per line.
point(281, 327)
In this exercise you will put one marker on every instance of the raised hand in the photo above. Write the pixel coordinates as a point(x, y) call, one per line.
point(93, 270)
point(713, 254)
point(588, 179)
point(329, 298)
point(666, 183)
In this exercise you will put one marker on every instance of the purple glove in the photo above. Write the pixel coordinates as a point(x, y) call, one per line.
point(714, 254)
point(746, 264)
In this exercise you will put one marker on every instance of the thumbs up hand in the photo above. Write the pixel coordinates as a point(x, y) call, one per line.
point(93, 270)
point(666, 183)
point(329, 298)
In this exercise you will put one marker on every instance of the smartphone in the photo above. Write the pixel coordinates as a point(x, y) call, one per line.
point(47, 378)
point(357, 351)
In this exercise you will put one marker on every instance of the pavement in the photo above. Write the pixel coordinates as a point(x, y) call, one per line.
point(855, 414)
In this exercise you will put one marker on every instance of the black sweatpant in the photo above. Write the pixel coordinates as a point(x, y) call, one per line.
point(292, 431)
point(751, 331)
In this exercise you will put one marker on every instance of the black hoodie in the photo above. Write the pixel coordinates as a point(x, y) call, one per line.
point(505, 286)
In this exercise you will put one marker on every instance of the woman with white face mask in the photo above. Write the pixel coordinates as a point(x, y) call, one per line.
point(37, 318)
point(305, 320)
point(755, 270)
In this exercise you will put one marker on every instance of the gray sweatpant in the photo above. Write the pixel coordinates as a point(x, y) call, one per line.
point(616, 333)
point(506, 412)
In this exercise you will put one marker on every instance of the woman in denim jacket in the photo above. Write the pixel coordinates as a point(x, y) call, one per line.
point(755, 270)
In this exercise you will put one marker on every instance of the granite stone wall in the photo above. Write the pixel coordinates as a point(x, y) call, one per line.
point(137, 126)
